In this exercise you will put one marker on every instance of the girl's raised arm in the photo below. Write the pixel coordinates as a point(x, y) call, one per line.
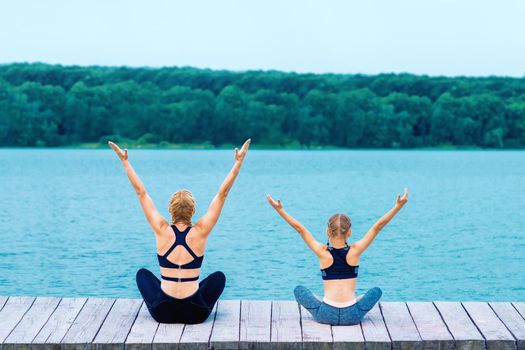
point(307, 237)
point(206, 223)
point(155, 219)
point(361, 245)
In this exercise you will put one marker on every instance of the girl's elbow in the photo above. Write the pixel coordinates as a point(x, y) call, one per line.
point(223, 194)
point(378, 227)
point(300, 229)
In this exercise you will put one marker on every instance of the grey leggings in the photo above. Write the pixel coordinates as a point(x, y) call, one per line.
point(324, 313)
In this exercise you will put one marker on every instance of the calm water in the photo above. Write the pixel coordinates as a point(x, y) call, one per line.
point(70, 224)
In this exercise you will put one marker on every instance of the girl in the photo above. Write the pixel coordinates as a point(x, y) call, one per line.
point(179, 297)
point(339, 263)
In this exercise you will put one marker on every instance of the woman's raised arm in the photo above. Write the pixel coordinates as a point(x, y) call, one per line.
point(361, 245)
point(308, 238)
point(155, 219)
point(208, 221)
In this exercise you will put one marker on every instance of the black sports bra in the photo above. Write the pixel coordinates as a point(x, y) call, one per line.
point(339, 269)
point(180, 239)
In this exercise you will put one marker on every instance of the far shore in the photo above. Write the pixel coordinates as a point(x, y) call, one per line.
point(209, 146)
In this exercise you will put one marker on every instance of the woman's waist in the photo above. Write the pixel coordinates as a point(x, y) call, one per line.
point(179, 290)
point(179, 283)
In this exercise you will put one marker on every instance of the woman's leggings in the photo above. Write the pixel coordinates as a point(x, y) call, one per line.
point(193, 309)
point(324, 313)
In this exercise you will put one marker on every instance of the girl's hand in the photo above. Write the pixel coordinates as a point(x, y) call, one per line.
point(276, 205)
point(239, 155)
point(122, 154)
point(400, 201)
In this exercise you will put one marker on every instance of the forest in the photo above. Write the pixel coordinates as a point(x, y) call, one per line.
point(44, 105)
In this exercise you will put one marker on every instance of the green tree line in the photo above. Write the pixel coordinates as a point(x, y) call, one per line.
point(53, 105)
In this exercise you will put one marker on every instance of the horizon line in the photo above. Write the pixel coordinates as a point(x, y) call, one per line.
point(241, 71)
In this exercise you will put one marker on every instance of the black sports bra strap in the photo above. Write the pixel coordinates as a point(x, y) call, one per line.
point(182, 241)
point(176, 230)
point(173, 245)
point(175, 242)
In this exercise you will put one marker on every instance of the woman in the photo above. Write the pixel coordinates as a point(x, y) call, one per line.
point(179, 297)
point(339, 263)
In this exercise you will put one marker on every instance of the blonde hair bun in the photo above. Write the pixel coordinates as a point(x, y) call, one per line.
point(182, 207)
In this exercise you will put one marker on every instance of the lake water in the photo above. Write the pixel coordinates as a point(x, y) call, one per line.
point(70, 223)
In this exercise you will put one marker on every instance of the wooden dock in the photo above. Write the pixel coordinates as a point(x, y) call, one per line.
point(98, 324)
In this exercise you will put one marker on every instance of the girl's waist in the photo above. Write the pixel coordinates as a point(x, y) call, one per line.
point(339, 304)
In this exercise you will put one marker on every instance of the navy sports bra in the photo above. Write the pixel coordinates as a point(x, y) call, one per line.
point(180, 239)
point(339, 269)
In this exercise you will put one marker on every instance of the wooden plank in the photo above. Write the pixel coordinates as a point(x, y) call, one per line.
point(512, 320)
point(3, 300)
point(225, 332)
point(143, 331)
point(34, 319)
point(430, 326)
point(48, 323)
point(348, 337)
point(117, 325)
point(58, 324)
point(12, 312)
point(167, 336)
point(520, 307)
point(374, 330)
point(86, 325)
point(256, 322)
point(315, 335)
point(286, 326)
point(197, 336)
point(400, 325)
point(465, 333)
point(497, 336)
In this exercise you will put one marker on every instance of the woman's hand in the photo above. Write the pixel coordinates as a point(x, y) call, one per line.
point(239, 155)
point(276, 205)
point(208, 221)
point(400, 201)
point(122, 154)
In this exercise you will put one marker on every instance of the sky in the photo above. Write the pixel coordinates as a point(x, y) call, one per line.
point(434, 37)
